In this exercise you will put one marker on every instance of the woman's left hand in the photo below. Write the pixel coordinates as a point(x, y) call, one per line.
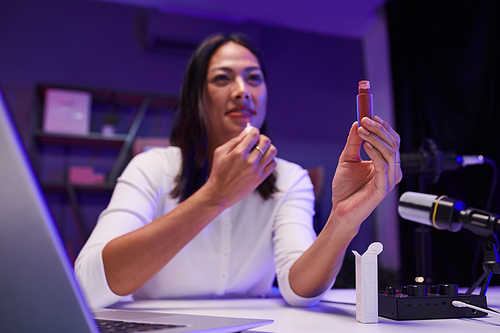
point(359, 186)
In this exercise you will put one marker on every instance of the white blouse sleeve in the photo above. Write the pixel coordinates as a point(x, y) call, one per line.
point(133, 204)
point(293, 230)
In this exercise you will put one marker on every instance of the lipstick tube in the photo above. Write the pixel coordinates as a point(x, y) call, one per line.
point(364, 101)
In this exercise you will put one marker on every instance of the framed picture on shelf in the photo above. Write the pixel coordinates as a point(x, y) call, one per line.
point(67, 111)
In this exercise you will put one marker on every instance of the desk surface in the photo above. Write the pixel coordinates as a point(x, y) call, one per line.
point(336, 313)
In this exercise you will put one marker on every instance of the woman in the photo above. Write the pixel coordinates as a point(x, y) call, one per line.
point(218, 214)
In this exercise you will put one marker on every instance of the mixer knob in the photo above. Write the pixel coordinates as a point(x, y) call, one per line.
point(434, 290)
point(448, 289)
point(391, 291)
point(417, 290)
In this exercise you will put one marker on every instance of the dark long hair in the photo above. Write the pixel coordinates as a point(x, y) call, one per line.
point(189, 132)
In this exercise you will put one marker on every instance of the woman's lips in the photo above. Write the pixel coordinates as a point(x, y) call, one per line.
point(245, 113)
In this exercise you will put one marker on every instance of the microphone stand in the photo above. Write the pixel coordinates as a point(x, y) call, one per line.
point(431, 173)
point(423, 248)
point(491, 264)
point(485, 225)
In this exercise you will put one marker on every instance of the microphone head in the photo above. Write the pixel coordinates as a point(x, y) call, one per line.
point(438, 212)
point(416, 207)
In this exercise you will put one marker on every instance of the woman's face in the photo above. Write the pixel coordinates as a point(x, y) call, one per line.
point(235, 91)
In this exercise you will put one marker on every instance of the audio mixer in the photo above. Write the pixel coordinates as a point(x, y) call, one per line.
point(416, 302)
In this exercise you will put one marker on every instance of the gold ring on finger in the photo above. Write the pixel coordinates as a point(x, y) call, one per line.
point(259, 150)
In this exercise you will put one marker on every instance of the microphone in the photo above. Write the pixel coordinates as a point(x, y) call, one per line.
point(445, 213)
point(431, 162)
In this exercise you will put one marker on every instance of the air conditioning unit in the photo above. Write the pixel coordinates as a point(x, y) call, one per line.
point(157, 31)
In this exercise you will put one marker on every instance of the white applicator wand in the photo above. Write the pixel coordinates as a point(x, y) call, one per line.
point(248, 128)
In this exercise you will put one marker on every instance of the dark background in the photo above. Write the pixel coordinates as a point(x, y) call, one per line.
point(446, 86)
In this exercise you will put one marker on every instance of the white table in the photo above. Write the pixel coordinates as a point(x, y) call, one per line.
point(337, 313)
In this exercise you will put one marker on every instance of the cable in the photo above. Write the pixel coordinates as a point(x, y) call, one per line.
point(493, 181)
point(462, 304)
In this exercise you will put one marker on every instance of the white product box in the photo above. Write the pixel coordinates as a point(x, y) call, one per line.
point(67, 111)
point(367, 284)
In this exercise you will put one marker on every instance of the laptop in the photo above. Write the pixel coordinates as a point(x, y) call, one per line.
point(38, 290)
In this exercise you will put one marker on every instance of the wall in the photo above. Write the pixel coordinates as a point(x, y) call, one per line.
point(312, 79)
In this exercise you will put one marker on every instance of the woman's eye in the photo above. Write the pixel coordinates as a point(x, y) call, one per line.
point(220, 78)
point(255, 78)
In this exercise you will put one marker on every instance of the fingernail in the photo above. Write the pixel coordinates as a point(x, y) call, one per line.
point(369, 145)
point(364, 131)
point(370, 121)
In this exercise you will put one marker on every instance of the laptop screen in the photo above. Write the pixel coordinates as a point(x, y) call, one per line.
point(37, 285)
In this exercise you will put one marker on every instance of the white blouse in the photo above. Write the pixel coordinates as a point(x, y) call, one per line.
point(238, 254)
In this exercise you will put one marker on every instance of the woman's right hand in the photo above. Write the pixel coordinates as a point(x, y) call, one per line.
point(239, 167)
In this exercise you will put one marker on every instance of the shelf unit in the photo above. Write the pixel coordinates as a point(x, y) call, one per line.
point(76, 206)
